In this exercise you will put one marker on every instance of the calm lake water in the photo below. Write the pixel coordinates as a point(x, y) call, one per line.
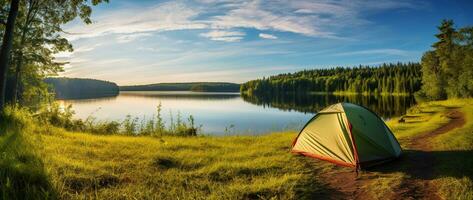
point(229, 113)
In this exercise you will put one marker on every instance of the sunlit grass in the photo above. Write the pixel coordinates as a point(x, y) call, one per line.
point(233, 167)
point(44, 161)
point(455, 150)
point(419, 119)
point(22, 173)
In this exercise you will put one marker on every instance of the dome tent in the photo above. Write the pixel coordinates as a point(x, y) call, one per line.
point(349, 135)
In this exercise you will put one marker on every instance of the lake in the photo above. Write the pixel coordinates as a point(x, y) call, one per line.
point(229, 113)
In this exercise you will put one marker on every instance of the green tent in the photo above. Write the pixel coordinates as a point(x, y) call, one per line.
point(348, 135)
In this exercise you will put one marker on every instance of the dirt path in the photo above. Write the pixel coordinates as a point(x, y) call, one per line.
point(418, 160)
point(419, 185)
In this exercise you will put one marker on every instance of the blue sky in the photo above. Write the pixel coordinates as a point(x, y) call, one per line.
point(139, 42)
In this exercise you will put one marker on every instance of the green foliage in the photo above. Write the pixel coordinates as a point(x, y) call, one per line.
point(38, 36)
point(399, 78)
point(448, 68)
point(215, 87)
point(61, 117)
point(432, 81)
point(76, 88)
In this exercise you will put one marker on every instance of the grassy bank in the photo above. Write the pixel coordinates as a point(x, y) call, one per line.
point(78, 165)
point(111, 167)
point(45, 161)
point(22, 171)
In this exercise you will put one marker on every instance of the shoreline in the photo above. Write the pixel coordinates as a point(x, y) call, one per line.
point(72, 165)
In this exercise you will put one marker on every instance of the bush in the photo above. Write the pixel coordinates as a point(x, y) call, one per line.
point(14, 118)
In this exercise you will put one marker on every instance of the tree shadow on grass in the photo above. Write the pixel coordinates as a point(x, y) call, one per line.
point(22, 173)
point(428, 165)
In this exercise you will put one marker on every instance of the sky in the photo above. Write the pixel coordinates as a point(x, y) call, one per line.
point(139, 42)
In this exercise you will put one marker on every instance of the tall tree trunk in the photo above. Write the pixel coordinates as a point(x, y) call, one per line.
point(5, 52)
point(32, 9)
point(17, 81)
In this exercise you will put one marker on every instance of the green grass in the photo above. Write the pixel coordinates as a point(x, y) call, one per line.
point(46, 162)
point(22, 172)
point(84, 166)
point(419, 119)
point(454, 151)
point(110, 167)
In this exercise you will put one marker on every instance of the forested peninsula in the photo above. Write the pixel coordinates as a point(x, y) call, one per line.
point(392, 78)
point(78, 88)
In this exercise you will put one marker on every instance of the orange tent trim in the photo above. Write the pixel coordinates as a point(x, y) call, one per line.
point(338, 162)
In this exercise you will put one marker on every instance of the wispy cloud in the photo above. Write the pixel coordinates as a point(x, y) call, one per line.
point(163, 17)
point(226, 36)
point(305, 17)
point(131, 37)
point(251, 15)
point(267, 36)
point(145, 41)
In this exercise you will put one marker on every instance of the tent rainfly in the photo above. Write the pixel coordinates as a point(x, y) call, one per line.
point(349, 135)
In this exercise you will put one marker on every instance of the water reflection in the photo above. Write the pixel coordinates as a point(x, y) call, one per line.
point(229, 113)
point(218, 113)
point(384, 105)
point(182, 94)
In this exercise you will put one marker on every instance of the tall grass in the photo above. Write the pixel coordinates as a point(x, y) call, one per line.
point(85, 166)
point(154, 126)
point(22, 172)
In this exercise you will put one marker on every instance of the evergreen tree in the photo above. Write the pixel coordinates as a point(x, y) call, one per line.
point(448, 68)
point(443, 49)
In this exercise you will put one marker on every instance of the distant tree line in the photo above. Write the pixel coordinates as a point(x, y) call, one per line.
point(193, 86)
point(399, 78)
point(448, 67)
point(216, 87)
point(76, 88)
